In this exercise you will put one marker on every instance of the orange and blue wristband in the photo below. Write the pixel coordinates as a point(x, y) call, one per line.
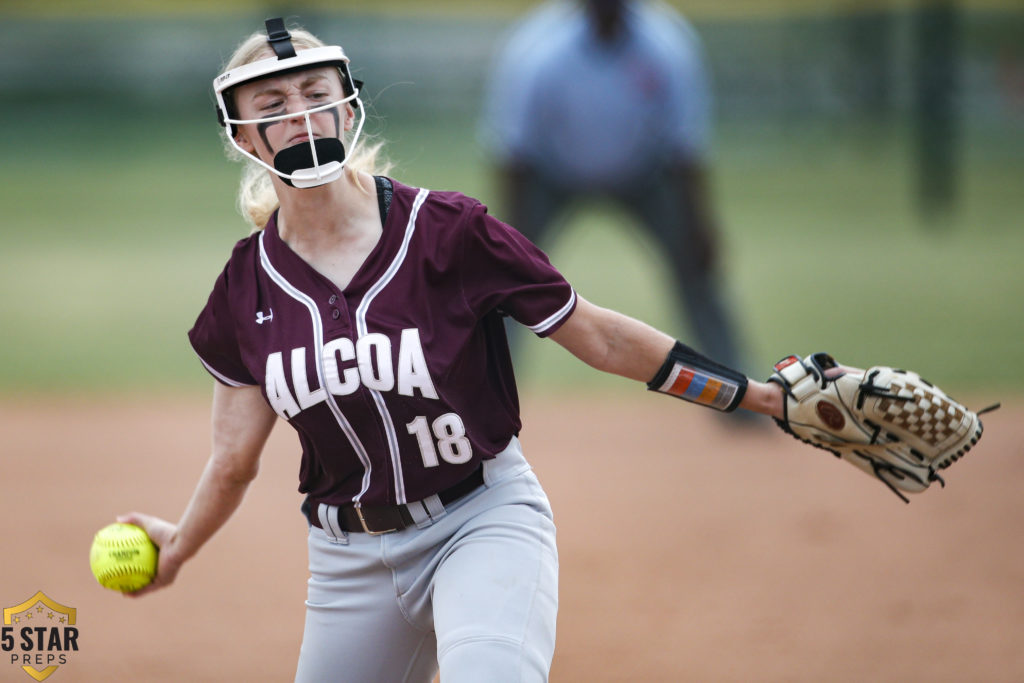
point(688, 375)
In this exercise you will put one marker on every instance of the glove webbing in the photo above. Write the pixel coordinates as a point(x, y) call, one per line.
point(864, 451)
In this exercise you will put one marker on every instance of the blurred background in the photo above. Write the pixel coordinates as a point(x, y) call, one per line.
point(868, 170)
point(868, 173)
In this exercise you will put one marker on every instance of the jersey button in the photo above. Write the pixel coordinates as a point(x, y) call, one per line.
point(335, 314)
point(333, 300)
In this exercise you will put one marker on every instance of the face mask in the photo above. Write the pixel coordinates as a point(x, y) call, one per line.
point(313, 162)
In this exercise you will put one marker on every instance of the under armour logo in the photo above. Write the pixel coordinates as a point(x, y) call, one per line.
point(260, 318)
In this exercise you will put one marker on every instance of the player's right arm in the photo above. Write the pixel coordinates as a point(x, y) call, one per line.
point(242, 421)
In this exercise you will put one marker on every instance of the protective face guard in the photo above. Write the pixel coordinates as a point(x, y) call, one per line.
point(311, 163)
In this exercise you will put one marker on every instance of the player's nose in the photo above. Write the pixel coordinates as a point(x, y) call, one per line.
point(294, 104)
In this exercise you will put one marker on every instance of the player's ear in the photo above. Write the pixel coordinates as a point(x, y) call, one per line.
point(243, 141)
point(350, 116)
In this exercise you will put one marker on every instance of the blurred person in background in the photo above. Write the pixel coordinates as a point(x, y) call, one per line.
point(609, 99)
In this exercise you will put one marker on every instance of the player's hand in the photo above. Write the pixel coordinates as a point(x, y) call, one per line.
point(162, 533)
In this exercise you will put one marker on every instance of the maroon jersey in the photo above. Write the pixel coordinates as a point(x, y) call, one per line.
point(401, 383)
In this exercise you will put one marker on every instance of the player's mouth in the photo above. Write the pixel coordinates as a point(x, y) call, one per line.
point(296, 139)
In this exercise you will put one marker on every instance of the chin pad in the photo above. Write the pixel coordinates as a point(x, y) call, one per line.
point(300, 156)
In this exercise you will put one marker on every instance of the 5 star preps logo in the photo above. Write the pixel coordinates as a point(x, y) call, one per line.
point(38, 635)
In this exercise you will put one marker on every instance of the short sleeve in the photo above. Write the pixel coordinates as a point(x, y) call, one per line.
point(502, 270)
point(214, 340)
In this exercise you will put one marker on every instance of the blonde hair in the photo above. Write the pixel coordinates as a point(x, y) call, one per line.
point(257, 198)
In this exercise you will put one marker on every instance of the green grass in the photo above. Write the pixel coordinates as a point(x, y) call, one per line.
point(826, 251)
point(115, 229)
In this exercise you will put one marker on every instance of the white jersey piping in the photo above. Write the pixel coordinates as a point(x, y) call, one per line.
point(551, 321)
point(222, 377)
point(318, 346)
point(361, 331)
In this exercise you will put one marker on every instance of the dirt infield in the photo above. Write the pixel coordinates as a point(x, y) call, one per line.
point(689, 551)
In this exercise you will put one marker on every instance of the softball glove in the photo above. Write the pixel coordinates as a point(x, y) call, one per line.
point(889, 423)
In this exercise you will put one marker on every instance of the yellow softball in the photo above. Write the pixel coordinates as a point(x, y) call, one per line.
point(122, 557)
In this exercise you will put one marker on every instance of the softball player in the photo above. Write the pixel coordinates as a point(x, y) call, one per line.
point(369, 315)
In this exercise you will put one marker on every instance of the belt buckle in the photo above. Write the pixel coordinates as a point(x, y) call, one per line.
point(362, 521)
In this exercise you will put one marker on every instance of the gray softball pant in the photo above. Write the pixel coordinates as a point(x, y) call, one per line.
point(473, 590)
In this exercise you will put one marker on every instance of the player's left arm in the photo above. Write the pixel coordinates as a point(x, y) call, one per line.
point(612, 342)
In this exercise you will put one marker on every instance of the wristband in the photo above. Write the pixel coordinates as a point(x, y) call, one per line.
point(688, 375)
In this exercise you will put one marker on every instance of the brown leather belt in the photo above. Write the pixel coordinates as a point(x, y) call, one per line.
point(383, 519)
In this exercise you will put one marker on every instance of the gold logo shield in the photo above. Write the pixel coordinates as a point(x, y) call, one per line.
point(38, 635)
